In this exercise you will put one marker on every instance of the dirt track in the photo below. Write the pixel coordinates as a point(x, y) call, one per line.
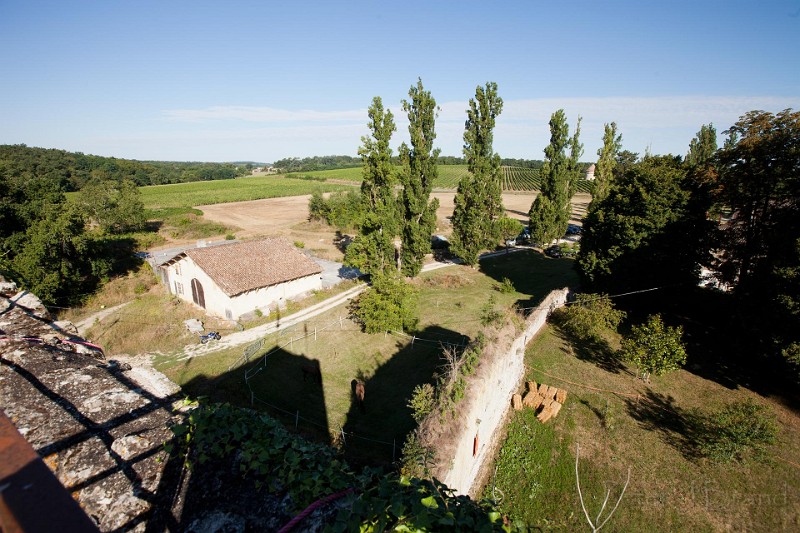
point(288, 217)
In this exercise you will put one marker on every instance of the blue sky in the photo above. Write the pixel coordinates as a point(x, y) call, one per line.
point(261, 80)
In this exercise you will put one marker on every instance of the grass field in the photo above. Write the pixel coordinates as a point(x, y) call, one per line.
point(186, 195)
point(391, 366)
point(515, 179)
point(671, 489)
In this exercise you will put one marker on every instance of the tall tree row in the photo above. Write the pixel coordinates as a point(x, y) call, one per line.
point(419, 172)
point(550, 212)
point(606, 161)
point(478, 201)
point(373, 250)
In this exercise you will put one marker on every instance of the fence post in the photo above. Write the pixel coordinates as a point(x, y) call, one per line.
point(315, 333)
point(344, 441)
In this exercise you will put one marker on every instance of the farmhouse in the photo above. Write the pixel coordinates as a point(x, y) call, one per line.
point(231, 280)
point(590, 172)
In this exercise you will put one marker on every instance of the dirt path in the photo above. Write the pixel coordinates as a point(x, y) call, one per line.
point(90, 320)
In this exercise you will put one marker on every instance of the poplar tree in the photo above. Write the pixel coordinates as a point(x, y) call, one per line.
point(703, 147)
point(550, 212)
point(373, 251)
point(478, 201)
point(419, 172)
point(606, 162)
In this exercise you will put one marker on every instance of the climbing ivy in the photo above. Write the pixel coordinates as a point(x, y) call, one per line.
point(284, 463)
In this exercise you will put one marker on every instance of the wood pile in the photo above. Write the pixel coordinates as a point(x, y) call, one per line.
point(544, 399)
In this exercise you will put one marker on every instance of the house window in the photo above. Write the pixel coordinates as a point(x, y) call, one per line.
point(228, 314)
point(178, 288)
point(177, 269)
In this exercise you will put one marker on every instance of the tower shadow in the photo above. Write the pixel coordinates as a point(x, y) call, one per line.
point(376, 426)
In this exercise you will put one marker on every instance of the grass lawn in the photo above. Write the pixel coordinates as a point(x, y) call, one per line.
point(187, 195)
point(671, 487)
point(450, 305)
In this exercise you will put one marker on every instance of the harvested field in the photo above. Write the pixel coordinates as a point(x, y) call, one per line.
point(288, 216)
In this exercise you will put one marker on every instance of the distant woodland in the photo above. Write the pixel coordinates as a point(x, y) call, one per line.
point(70, 171)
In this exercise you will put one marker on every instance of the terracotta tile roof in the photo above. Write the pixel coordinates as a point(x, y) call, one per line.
point(246, 266)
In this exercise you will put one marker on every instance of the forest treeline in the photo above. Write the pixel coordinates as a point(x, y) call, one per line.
point(70, 171)
point(332, 162)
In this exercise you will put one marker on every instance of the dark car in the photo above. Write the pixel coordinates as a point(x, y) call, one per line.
point(553, 251)
point(573, 229)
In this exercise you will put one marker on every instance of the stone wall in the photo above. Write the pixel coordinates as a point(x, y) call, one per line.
point(488, 401)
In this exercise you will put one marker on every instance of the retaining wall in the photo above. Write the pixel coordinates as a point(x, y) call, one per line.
point(488, 401)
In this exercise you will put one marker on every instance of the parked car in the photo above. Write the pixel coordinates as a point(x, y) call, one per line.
point(553, 251)
point(574, 229)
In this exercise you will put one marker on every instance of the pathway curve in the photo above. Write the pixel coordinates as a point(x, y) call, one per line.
point(91, 320)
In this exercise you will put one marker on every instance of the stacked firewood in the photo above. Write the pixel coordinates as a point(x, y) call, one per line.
point(544, 399)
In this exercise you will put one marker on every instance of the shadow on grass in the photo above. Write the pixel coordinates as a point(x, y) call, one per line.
point(375, 430)
point(291, 388)
point(720, 341)
point(683, 429)
point(287, 386)
point(595, 351)
point(532, 274)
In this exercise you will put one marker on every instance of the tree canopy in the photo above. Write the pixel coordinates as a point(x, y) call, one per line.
point(636, 237)
point(606, 162)
point(373, 250)
point(478, 201)
point(418, 174)
point(759, 186)
point(550, 212)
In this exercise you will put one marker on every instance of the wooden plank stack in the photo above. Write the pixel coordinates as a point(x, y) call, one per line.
point(543, 399)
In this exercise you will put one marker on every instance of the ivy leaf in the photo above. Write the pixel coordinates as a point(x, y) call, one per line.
point(430, 502)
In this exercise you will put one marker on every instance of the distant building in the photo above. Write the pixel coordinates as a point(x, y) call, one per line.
point(590, 172)
point(263, 170)
point(235, 279)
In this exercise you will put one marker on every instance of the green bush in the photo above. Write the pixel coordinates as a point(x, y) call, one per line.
point(489, 313)
point(738, 431)
point(422, 401)
point(506, 286)
point(389, 305)
point(590, 317)
point(654, 348)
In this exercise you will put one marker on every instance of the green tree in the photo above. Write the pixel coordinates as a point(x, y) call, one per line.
point(419, 173)
point(703, 146)
point(654, 348)
point(550, 212)
point(55, 259)
point(389, 305)
point(478, 201)
point(508, 228)
point(373, 250)
point(639, 235)
point(759, 183)
point(115, 207)
point(606, 162)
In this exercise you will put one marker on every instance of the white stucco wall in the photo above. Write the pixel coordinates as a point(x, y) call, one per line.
point(179, 280)
point(489, 401)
